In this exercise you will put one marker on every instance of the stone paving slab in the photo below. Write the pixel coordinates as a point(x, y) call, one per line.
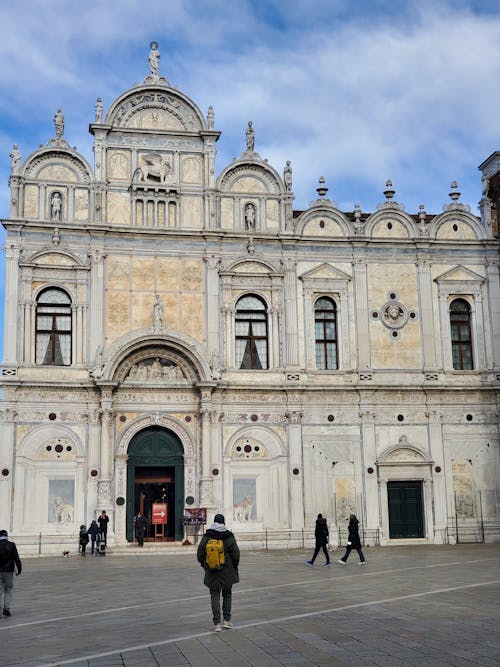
point(424, 605)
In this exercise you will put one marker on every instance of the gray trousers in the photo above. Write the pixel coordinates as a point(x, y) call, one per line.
point(215, 594)
point(6, 587)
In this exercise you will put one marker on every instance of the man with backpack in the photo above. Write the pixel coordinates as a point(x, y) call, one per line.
point(219, 556)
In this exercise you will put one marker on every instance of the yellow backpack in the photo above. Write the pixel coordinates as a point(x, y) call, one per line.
point(214, 554)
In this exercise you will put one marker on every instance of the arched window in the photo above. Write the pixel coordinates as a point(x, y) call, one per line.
point(325, 332)
point(251, 333)
point(53, 328)
point(461, 335)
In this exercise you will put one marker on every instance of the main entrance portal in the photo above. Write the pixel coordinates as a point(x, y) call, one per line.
point(155, 474)
point(405, 509)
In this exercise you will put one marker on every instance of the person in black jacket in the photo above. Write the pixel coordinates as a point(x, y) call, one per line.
point(103, 520)
point(93, 531)
point(140, 528)
point(8, 558)
point(83, 540)
point(321, 535)
point(353, 541)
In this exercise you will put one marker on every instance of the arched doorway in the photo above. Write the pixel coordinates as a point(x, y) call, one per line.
point(155, 474)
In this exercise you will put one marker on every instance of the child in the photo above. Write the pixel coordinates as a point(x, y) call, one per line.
point(84, 540)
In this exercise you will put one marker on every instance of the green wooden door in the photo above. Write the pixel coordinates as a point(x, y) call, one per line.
point(156, 448)
point(405, 509)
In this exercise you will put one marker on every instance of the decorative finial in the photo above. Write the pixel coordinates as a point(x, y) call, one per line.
point(389, 192)
point(98, 110)
point(454, 194)
point(15, 155)
point(421, 213)
point(321, 189)
point(59, 123)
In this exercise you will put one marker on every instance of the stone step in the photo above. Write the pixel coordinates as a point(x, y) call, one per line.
point(150, 548)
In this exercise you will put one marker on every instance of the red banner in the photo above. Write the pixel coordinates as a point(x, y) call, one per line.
point(159, 513)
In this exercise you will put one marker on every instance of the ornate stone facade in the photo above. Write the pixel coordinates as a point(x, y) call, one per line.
point(280, 362)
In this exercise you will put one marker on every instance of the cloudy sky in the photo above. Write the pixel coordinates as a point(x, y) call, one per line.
point(357, 91)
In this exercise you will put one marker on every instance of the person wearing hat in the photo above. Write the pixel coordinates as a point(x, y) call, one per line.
point(220, 581)
point(8, 558)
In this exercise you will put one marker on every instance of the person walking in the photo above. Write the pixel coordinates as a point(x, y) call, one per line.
point(8, 559)
point(103, 520)
point(353, 542)
point(84, 540)
point(219, 543)
point(140, 528)
point(93, 531)
point(321, 535)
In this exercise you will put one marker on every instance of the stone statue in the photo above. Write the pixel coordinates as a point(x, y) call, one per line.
point(249, 216)
point(98, 367)
point(393, 314)
point(485, 181)
point(154, 59)
point(250, 137)
point(210, 117)
point(157, 313)
point(55, 206)
point(59, 123)
point(16, 159)
point(98, 110)
point(287, 176)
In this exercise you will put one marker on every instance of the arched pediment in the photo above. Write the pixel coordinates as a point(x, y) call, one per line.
point(57, 166)
point(250, 178)
point(155, 107)
point(34, 444)
point(403, 452)
point(56, 259)
point(260, 443)
point(456, 225)
point(247, 267)
point(390, 224)
point(323, 221)
point(139, 347)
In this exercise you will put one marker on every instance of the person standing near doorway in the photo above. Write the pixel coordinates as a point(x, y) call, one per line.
point(219, 544)
point(103, 520)
point(353, 542)
point(8, 559)
point(321, 535)
point(93, 531)
point(140, 528)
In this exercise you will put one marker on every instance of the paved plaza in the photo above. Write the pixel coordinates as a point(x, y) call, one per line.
point(425, 605)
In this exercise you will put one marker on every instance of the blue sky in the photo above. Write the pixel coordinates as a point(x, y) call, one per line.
point(355, 91)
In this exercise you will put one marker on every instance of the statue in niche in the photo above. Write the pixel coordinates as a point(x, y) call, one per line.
point(210, 117)
point(287, 176)
point(393, 314)
point(154, 59)
point(59, 123)
point(249, 216)
point(250, 137)
point(16, 159)
point(55, 206)
point(157, 313)
point(155, 370)
point(98, 110)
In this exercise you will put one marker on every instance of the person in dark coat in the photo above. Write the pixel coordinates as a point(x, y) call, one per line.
point(353, 541)
point(220, 581)
point(8, 559)
point(103, 520)
point(83, 540)
point(321, 535)
point(93, 531)
point(140, 528)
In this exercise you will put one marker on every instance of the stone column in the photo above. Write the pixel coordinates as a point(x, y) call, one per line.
point(96, 327)
point(361, 317)
point(12, 254)
point(493, 286)
point(205, 446)
point(120, 514)
point(7, 463)
point(106, 451)
point(426, 315)
point(296, 503)
point(291, 319)
point(436, 452)
point(368, 456)
point(213, 334)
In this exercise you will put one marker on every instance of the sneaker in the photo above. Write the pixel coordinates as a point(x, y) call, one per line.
point(363, 562)
point(6, 612)
point(342, 562)
point(328, 564)
point(309, 562)
point(227, 625)
point(217, 627)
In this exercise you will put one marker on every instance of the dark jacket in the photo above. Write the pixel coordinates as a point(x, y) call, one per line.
point(354, 534)
point(93, 531)
point(103, 523)
point(140, 524)
point(9, 557)
point(228, 576)
point(321, 532)
point(84, 538)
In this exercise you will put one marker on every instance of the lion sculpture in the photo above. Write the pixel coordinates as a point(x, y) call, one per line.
point(155, 167)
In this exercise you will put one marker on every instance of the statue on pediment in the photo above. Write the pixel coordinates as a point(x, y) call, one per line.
point(154, 59)
point(59, 123)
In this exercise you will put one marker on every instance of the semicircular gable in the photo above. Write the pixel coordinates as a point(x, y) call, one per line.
point(155, 107)
point(250, 179)
point(386, 224)
point(267, 442)
point(57, 166)
point(323, 223)
point(253, 266)
point(456, 226)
